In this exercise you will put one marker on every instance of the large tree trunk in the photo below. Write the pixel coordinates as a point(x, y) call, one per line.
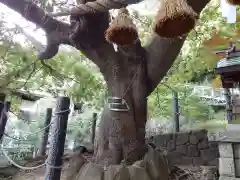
point(130, 75)
point(119, 138)
point(121, 135)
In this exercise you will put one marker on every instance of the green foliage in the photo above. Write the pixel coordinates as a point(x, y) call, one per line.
point(24, 137)
point(197, 60)
point(79, 128)
point(69, 73)
point(194, 63)
point(144, 25)
point(161, 104)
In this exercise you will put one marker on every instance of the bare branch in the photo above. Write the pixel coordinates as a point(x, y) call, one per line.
point(52, 71)
point(162, 52)
point(30, 74)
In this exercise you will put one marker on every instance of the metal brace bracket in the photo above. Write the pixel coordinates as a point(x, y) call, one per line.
point(117, 104)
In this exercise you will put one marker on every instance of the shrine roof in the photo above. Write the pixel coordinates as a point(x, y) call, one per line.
point(228, 62)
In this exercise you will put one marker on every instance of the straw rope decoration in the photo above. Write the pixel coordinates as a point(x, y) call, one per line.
point(122, 31)
point(99, 6)
point(175, 18)
point(234, 2)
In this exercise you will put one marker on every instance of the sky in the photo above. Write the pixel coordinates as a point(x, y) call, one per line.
point(145, 8)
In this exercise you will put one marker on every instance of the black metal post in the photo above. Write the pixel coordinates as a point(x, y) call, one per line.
point(42, 149)
point(2, 126)
point(94, 127)
point(4, 118)
point(58, 136)
point(176, 111)
point(227, 95)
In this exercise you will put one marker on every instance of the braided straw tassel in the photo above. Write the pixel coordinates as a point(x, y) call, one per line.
point(175, 18)
point(234, 2)
point(122, 31)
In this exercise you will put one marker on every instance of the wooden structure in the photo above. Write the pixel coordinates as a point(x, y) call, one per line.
point(28, 100)
point(58, 131)
point(2, 123)
point(44, 141)
point(229, 151)
point(229, 70)
point(94, 123)
point(28, 96)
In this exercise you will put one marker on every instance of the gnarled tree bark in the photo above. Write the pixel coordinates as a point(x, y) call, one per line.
point(122, 134)
point(131, 73)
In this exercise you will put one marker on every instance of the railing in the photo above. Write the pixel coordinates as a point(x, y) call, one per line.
point(214, 96)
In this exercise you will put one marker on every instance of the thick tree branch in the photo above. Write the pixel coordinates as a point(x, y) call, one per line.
point(33, 13)
point(37, 44)
point(162, 52)
point(93, 54)
point(57, 32)
point(89, 38)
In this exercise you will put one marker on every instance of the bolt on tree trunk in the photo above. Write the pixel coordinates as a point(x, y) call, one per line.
point(4, 118)
point(42, 149)
point(58, 133)
point(121, 135)
point(94, 126)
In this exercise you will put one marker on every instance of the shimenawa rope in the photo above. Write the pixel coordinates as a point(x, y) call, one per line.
point(97, 6)
point(35, 167)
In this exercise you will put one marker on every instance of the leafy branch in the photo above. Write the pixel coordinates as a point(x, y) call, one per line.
point(14, 75)
point(34, 70)
point(52, 71)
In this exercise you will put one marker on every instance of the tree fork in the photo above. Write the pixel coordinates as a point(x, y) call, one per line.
point(58, 131)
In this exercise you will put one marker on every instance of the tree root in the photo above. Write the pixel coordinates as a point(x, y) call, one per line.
point(75, 162)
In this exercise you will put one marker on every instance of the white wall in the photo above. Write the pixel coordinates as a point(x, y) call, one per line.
point(27, 105)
